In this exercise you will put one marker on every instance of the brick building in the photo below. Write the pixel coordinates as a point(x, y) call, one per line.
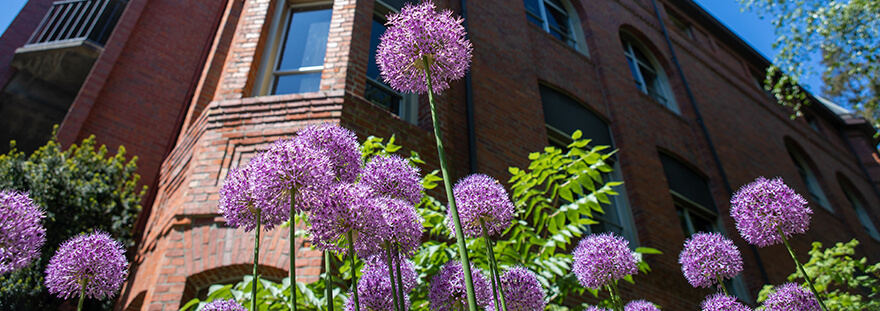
point(196, 87)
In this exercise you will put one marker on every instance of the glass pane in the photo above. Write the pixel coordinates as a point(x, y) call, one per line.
point(635, 73)
point(306, 40)
point(702, 224)
point(556, 3)
point(642, 57)
point(532, 6)
point(535, 19)
point(684, 222)
point(383, 97)
point(376, 32)
point(298, 83)
point(559, 20)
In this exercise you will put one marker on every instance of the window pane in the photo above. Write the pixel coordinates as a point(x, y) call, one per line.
point(635, 73)
point(559, 20)
point(306, 40)
point(532, 6)
point(298, 83)
point(376, 32)
point(383, 97)
point(535, 19)
point(702, 224)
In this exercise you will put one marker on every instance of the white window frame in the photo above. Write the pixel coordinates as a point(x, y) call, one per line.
point(665, 92)
point(266, 75)
point(576, 37)
point(409, 102)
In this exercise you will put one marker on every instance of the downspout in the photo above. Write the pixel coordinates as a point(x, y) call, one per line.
point(469, 102)
point(699, 120)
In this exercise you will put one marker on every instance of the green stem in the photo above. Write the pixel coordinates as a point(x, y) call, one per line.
point(82, 294)
point(493, 265)
point(354, 280)
point(400, 290)
point(453, 210)
point(256, 263)
point(801, 268)
point(292, 251)
point(723, 287)
point(391, 278)
point(328, 285)
point(615, 292)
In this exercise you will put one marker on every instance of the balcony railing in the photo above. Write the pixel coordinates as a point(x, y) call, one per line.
point(78, 20)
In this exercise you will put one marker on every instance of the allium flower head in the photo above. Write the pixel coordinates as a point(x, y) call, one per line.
point(708, 258)
point(348, 207)
point(292, 167)
point(238, 203)
point(374, 286)
point(791, 297)
point(419, 31)
point(522, 290)
point(223, 305)
point(603, 258)
point(640, 305)
point(403, 227)
point(341, 146)
point(722, 302)
point(448, 291)
point(762, 206)
point(595, 308)
point(95, 258)
point(482, 198)
point(395, 177)
point(21, 230)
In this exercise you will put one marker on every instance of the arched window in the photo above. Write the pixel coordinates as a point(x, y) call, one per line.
point(647, 73)
point(376, 91)
point(816, 194)
point(557, 18)
point(564, 115)
point(861, 213)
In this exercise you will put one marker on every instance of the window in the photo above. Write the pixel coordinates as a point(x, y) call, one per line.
point(565, 115)
point(861, 212)
point(817, 196)
point(681, 24)
point(298, 46)
point(647, 75)
point(376, 91)
point(553, 16)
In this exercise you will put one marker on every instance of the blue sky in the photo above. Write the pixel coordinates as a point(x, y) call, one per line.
point(755, 31)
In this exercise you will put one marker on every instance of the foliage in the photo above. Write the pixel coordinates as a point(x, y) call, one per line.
point(555, 197)
point(843, 282)
point(82, 189)
point(847, 33)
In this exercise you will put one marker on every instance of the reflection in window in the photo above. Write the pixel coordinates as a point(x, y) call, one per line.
point(376, 91)
point(646, 76)
point(301, 53)
point(553, 17)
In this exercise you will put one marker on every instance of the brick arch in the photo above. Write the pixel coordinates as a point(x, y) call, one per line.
point(226, 275)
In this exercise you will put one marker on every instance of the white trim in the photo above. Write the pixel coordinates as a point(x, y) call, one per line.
point(575, 34)
point(630, 45)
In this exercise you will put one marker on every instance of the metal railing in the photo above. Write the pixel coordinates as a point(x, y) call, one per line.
point(73, 20)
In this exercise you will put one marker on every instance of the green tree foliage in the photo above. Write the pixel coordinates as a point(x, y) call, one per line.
point(845, 283)
point(555, 198)
point(846, 33)
point(82, 189)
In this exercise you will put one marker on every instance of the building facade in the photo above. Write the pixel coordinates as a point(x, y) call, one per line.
point(196, 87)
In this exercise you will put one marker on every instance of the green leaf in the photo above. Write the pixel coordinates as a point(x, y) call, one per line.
point(576, 135)
point(648, 250)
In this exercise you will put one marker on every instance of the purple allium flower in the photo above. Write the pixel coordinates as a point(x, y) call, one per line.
point(95, 258)
point(291, 167)
point(420, 31)
point(762, 206)
point(21, 230)
point(348, 207)
point(603, 258)
point(595, 308)
point(791, 297)
point(722, 302)
point(448, 291)
point(522, 290)
point(223, 305)
point(640, 305)
point(341, 146)
point(403, 227)
point(374, 286)
point(480, 197)
point(395, 177)
point(709, 258)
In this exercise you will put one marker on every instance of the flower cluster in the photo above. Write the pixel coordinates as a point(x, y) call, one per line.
point(595, 308)
point(223, 305)
point(348, 207)
point(640, 305)
point(292, 169)
point(761, 207)
point(417, 33)
point(448, 288)
point(21, 230)
point(522, 290)
point(722, 302)
point(395, 177)
point(340, 145)
point(709, 258)
point(482, 200)
point(791, 296)
point(374, 288)
point(404, 227)
point(603, 258)
point(94, 260)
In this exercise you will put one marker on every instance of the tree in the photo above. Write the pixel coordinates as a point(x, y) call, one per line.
point(82, 189)
point(846, 33)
